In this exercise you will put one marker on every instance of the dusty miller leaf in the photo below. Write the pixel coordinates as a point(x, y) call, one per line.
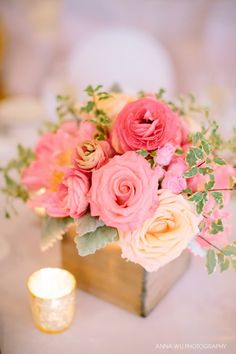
point(52, 230)
point(87, 223)
point(92, 241)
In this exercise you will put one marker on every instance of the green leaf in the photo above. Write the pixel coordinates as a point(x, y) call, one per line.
point(218, 197)
point(92, 241)
point(192, 172)
point(206, 146)
point(233, 262)
point(230, 250)
point(153, 153)
point(211, 261)
point(187, 191)
point(193, 155)
point(179, 151)
point(52, 230)
point(142, 152)
point(87, 223)
point(216, 227)
point(200, 199)
point(219, 161)
point(209, 185)
point(160, 93)
point(223, 263)
point(205, 170)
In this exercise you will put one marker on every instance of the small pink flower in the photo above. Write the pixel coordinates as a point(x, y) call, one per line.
point(124, 191)
point(174, 182)
point(178, 166)
point(91, 155)
point(165, 154)
point(173, 178)
point(145, 124)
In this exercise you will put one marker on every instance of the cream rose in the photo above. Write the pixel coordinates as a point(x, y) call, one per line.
point(163, 236)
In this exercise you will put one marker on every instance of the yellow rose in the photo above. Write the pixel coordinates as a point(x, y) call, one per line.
point(164, 236)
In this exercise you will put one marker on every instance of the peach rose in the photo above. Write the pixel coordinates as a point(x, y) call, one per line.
point(163, 236)
point(92, 154)
point(145, 124)
point(124, 191)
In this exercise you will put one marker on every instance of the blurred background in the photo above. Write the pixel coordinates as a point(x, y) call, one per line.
point(60, 46)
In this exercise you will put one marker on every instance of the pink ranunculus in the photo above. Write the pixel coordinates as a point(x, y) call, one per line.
point(165, 154)
point(174, 182)
point(91, 155)
point(124, 191)
point(145, 124)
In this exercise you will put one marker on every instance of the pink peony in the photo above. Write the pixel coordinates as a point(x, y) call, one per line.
point(165, 154)
point(124, 191)
point(91, 155)
point(53, 159)
point(53, 155)
point(145, 124)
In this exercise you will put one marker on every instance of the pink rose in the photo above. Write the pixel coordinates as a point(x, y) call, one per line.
point(124, 191)
point(165, 154)
point(145, 124)
point(174, 182)
point(91, 155)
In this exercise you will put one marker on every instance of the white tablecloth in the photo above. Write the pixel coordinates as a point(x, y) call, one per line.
point(200, 309)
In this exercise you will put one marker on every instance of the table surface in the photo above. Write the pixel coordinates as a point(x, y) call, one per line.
point(199, 309)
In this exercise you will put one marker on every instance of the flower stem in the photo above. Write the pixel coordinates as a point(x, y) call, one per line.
point(211, 244)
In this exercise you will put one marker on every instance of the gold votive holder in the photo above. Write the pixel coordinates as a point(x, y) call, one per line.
point(52, 299)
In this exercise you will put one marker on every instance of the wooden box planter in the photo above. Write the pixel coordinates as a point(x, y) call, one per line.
point(106, 275)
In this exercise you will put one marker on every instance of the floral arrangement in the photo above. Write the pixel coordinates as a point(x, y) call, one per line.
point(140, 171)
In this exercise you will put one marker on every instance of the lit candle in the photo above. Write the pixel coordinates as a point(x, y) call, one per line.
point(52, 294)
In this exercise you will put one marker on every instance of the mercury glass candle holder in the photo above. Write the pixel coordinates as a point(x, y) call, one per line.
point(52, 298)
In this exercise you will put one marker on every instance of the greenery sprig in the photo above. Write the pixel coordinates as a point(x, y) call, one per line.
point(99, 118)
point(13, 188)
